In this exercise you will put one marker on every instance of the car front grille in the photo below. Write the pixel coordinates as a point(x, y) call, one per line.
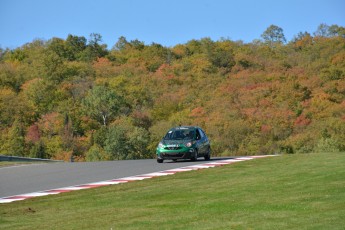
point(173, 148)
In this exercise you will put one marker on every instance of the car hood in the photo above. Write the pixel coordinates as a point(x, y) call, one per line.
point(175, 142)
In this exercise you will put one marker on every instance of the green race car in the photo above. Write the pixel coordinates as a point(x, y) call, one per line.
point(184, 142)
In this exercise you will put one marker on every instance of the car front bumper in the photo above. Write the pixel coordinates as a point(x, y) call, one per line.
point(183, 153)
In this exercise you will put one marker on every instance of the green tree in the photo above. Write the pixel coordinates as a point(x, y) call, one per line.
point(96, 153)
point(15, 144)
point(54, 67)
point(58, 46)
point(138, 142)
point(221, 55)
point(273, 35)
point(9, 76)
point(37, 150)
point(75, 45)
point(154, 55)
point(99, 136)
point(116, 143)
point(94, 49)
point(7, 110)
point(40, 95)
point(102, 104)
point(138, 45)
point(335, 30)
point(120, 44)
point(322, 30)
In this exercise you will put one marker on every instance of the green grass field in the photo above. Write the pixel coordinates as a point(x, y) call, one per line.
point(285, 192)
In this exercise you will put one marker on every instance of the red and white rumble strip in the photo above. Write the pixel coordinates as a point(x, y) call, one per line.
point(128, 179)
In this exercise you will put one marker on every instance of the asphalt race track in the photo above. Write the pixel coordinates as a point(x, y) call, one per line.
point(30, 178)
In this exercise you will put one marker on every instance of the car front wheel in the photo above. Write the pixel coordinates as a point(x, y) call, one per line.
point(195, 156)
point(160, 160)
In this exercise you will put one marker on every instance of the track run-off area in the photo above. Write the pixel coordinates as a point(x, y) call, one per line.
point(28, 181)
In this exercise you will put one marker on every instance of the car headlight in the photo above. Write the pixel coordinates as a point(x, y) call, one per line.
point(160, 145)
point(189, 144)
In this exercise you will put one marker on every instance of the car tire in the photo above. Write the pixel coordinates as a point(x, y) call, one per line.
point(160, 160)
point(195, 156)
point(208, 155)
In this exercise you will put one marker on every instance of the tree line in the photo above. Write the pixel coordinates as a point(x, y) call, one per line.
point(75, 97)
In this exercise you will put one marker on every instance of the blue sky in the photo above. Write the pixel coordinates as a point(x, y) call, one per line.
point(165, 22)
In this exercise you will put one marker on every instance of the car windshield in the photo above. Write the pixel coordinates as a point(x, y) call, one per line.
point(180, 134)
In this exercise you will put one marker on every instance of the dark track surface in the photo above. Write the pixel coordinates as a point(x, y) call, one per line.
point(17, 180)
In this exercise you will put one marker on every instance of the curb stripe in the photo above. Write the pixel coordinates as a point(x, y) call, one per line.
point(128, 179)
point(199, 167)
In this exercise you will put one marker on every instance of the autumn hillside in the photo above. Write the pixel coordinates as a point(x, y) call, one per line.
point(77, 97)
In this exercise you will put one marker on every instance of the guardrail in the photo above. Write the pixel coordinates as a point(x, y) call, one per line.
point(25, 159)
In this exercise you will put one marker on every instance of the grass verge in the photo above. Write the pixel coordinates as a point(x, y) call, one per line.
point(13, 163)
point(287, 192)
